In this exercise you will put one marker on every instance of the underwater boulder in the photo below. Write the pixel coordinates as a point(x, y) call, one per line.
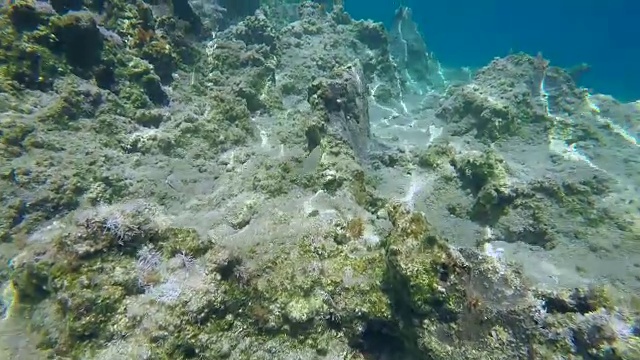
point(510, 95)
point(407, 47)
point(183, 11)
point(344, 101)
point(79, 39)
point(26, 16)
point(256, 30)
point(371, 34)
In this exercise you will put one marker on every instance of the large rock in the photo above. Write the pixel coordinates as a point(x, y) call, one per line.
point(512, 96)
point(344, 100)
point(419, 69)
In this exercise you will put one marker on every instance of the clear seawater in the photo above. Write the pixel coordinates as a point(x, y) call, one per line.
point(603, 34)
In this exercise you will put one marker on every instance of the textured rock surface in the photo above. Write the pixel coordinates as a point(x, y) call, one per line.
point(279, 191)
point(512, 96)
point(345, 100)
point(419, 68)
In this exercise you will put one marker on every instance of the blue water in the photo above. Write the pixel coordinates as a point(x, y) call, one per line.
point(568, 32)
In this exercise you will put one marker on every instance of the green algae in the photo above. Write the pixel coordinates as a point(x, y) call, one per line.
point(39, 47)
point(227, 124)
point(183, 241)
point(25, 53)
point(436, 156)
point(285, 300)
point(405, 294)
point(414, 295)
point(419, 265)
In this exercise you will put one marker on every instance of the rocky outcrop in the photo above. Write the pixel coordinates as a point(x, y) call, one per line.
point(217, 201)
point(418, 67)
point(512, 96)
point(344, 102)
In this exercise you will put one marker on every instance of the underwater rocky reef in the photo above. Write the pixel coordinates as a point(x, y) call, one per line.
point(276, 180)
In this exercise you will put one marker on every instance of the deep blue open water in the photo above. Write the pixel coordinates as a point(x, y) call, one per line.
point(605, 34)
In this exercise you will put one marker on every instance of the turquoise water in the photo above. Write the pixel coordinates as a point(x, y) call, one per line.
point(470, 33)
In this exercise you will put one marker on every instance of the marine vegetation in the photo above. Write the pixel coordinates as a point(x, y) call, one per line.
point(276, 180)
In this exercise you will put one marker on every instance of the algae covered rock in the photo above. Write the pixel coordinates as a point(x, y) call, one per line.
point(243, 60)
point(511, 97)
point(263, 232)
point(26, 54)
point(371, 34)
point(83, 280)
point(344, 102)
point(27, 16)
point(74, 103)
point(182, 10)
point(419, 69)
point(226, 125)
point(79, 39)
point(42, 45)
point(315, 44)
point(160, 54)
point(144, 87)
point(256, 29)
point(486, 175)
point(421, 266)
point(436, 156)
point(46, 192)
point(122, 273)
point(474, 306)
